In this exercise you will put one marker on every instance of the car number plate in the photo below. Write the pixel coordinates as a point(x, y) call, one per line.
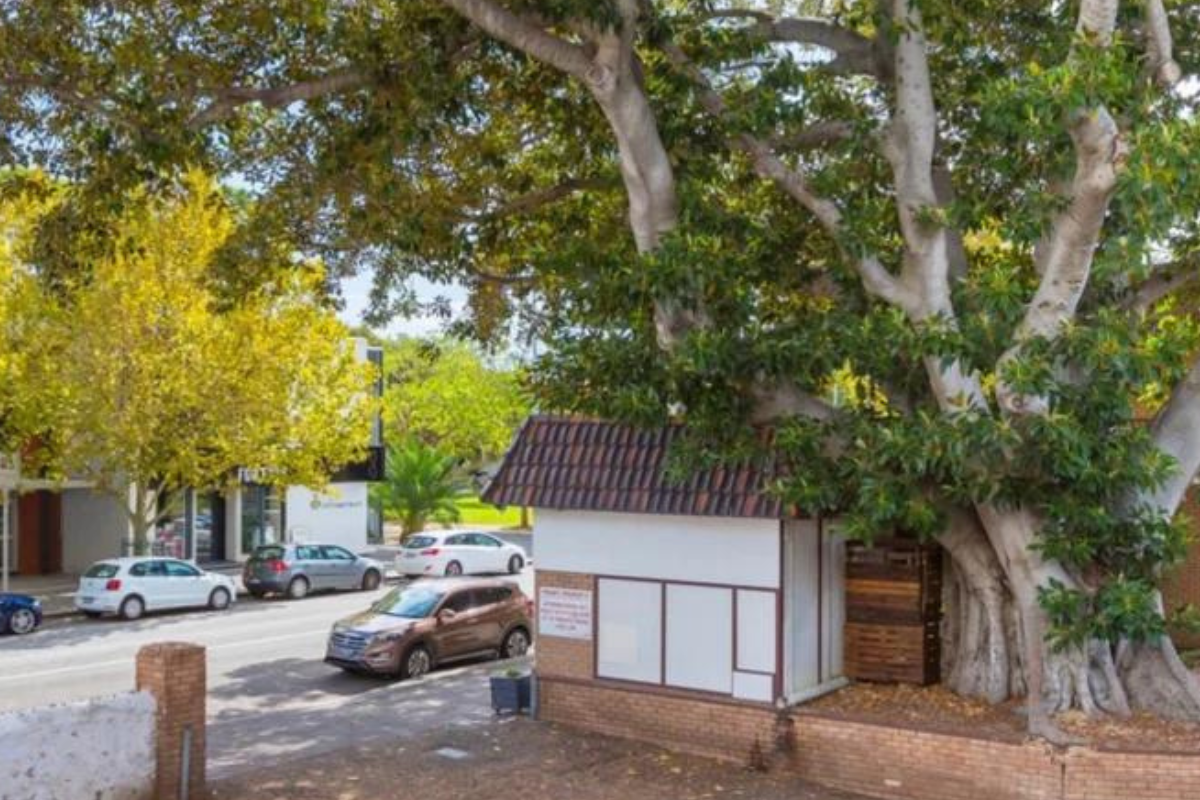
point(86, 599)
point(410, 555)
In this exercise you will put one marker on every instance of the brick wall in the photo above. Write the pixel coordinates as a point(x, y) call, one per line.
point(569, 694)
point(916, 765)
point(874, 760)
point(1092, 775)
point(904, 764)
point(1182, 585)
point(175, 674)
point(717, 728)
point(564, 658)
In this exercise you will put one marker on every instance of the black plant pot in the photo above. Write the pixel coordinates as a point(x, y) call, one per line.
point(510, 694)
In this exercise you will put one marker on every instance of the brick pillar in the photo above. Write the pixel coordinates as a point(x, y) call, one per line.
point(174, 672)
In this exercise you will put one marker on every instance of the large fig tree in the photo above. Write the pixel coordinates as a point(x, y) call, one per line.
point(942, 248)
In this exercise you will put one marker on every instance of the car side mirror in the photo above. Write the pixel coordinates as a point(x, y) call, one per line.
point(445, 615)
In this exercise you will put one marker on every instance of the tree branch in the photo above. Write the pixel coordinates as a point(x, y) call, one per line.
point(526, 36)
point(1158, 286)
point(909, 147)
point(1159, 46)
point(817, 135)
point(777, 401)
point(1071, 244)
point(227, 100)
point(1098, 20)
point(853, 52)
point(484, 276)
point(537, 198)
point(1176, 432)
point(877, 280)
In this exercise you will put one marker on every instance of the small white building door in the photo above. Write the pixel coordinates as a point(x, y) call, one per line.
point(814, 606)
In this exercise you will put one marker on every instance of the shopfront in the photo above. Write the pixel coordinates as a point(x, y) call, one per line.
point(191, 525)
point(262, 516)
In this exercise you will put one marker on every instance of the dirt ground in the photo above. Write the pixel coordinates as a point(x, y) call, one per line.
point(938, 709)
point(515, 759)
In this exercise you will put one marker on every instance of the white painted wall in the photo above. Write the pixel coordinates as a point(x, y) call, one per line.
point(700, 638)
point(93, 528)
point(99, 749)
point(336, 517)
point(833, 601)
point(801, 660)
point(756, 648)
point(741, 552)
point(629, 626)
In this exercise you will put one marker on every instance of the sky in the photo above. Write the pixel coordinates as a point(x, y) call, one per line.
point(356, 292)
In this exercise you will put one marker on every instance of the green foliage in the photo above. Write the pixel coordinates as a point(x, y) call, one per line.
point(420, 486)
point(457, 159)
point(445, 393)
point(136, 373)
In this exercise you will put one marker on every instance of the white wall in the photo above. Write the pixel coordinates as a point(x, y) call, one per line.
point(93, 528)
point(682, 552)
point(833, 600)
point(630, 630)
point(336, 517)
point(700, 638)
point(740, 552)
point(801, 614)
point(99, 749)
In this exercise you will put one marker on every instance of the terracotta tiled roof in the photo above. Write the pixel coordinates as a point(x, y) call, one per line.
point(578, 464)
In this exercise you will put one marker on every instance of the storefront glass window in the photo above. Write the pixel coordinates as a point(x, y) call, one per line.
point(209, 527)
point(262, 517)
point(170, 532)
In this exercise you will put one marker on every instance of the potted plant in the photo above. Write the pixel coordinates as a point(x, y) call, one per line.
point(510, 690)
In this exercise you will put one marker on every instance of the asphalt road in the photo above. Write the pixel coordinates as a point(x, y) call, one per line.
point(270, 695)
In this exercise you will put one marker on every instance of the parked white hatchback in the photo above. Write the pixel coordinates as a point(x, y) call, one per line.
point(458, 553)
point(130, 587)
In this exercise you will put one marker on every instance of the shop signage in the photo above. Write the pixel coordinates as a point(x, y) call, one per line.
point(566, 613)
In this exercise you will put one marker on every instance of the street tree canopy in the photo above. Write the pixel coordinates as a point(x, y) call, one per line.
point(447, 394)
point(143, 377)
point(942, 247)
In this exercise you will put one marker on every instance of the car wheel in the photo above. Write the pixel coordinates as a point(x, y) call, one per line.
point(454, 568)
point(133, 607)
point(22, 621)
point(370, 581)
point(298, 588)
point(219, 599)
point(515, 644)
point(515, 564)
point(417, 662)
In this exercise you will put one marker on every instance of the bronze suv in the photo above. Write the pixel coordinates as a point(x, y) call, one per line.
point(416, 628)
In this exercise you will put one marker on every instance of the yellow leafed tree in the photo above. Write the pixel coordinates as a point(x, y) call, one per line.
point(161, 384)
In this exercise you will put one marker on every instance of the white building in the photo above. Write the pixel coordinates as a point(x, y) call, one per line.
point(709, 590)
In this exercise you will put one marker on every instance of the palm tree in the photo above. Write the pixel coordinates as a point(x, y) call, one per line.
point(420, 485)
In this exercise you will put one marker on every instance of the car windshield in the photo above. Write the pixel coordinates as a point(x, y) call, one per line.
point(411, 603)
point(268, 553)
point(417, 542)
point(101, 571)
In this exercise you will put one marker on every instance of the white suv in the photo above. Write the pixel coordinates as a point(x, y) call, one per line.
point(132, 586)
